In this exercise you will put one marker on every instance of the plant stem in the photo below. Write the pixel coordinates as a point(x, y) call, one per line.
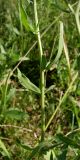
point(34, 44)
point(21, 28)
point(77, 16)
point(42, 79)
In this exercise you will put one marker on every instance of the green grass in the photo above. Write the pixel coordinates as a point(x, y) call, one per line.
point(39, 80)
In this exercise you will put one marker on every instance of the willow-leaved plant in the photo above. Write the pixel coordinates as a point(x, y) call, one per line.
point(44, 66)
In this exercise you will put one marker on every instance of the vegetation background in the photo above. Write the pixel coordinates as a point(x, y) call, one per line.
point(20, 111)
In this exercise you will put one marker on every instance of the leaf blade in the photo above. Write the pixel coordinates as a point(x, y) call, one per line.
point(26, 20)
point(60, 48)
point(2, 146)
point(26, 83)
point(15, 114)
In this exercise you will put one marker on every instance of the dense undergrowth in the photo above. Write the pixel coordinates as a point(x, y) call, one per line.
point(22, 132)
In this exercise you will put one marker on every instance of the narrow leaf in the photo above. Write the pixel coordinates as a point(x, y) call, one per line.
point(27, 84)
point(67, 58)
point(67, 55)
point(2, 146)
point(60, 48)
point(25, 20)
point(15, 114)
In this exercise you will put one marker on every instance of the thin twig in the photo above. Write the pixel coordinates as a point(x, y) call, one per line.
point(74, 131)
point(13, 126)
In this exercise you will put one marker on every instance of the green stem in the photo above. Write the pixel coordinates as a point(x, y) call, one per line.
point(34, 44)
point(42, 81)
point(77, 17)
point(21, 28)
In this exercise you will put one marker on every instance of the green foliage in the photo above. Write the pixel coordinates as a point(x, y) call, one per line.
point(27, 83)
point(15, 114)
point(60, 48)
point(3, 147)
point(59, 81)
point(25, 20)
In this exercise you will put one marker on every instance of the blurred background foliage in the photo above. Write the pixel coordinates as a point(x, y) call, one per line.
point(15, 41)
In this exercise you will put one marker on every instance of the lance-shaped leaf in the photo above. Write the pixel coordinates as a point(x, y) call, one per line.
point(15, 114)
point(26, 20)
point(26, 83)
point(2, 146)
point(60, 48)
